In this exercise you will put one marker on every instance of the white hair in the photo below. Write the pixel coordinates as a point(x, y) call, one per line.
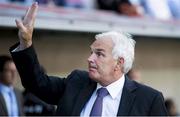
point(123, 47)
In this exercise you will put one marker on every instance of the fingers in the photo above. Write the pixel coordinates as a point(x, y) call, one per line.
point(23, 18)
point(20, 25)
point(30, 16)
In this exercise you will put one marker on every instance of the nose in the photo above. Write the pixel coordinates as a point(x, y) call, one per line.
point(91, 58)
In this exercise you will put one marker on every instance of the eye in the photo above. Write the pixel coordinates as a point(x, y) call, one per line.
point(99, 54)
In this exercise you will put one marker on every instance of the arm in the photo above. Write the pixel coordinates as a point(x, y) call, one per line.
point(33, 78)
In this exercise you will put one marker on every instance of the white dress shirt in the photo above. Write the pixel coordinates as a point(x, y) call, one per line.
point(110, 102)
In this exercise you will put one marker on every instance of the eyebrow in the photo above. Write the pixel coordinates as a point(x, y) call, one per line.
point(100, 50)
point(97, 49)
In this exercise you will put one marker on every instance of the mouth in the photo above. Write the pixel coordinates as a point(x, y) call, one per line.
point(92, 67)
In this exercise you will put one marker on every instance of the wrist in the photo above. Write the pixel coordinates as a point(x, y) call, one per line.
point(24, 44)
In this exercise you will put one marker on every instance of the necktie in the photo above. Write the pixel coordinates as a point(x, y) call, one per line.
point(13, 108)
point(97, 107)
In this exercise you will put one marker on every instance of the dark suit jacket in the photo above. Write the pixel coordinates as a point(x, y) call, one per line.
point(3, 108)
point(31, 102)
point(72, 93)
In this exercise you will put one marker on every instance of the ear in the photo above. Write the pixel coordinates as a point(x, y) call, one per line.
point(121, 60)
point(120, 63)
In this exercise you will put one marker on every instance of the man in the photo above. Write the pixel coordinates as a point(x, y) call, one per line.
point(124, 7)
point(102, 91)
point(10, 98)
point(171, 107)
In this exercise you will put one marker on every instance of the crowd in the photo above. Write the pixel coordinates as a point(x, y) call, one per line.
point(159, 9)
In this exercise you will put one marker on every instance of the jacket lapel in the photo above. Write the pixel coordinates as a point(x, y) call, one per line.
point(3, 107)
point(83, 97)
point(19, 101)
point(127, 98)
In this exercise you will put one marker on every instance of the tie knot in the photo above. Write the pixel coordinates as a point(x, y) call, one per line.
point(102, 92)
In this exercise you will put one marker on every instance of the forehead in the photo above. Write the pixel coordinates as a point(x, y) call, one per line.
point(102, 44)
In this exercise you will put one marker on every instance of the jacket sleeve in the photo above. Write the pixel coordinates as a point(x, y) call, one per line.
point(48, 88)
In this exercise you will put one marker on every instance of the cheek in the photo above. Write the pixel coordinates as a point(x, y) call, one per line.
point(10, 75)
point(111, 65)
point(6, 74)
point(105, 67)
point(14, 74)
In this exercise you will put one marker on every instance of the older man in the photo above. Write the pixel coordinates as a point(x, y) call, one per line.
point(102, 91)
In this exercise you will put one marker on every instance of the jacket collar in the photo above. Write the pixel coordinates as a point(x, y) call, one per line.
point(83, 98)
point(126, 102)
point(3, 105)
point(127, 98)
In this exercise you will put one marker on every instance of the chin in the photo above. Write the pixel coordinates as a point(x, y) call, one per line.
point(93, 76)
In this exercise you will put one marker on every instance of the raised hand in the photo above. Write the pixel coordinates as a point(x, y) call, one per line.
point(26, 26)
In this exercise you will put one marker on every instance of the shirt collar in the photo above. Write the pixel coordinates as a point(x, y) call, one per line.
point(5, 88)
point(115, 87)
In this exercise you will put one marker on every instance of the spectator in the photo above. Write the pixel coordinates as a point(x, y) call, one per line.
point(11, 100)
point(22, 2)
point(74, 3)
point(171, 107)
point(158, 9)
point(51, 3)
point(4, 1)
point(123, 7)
point(174, 6)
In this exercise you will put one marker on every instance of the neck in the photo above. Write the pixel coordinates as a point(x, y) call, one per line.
point(113, 79)
point(6, 84)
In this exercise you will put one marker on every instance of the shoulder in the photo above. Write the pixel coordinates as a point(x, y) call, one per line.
point(141, 89)
point(145, 95)
point(17, 90)
point(19, 95)
point(79, 76)
point(146, 91)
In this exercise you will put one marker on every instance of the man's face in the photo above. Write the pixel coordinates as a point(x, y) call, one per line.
point(9, 73)
point(101, 62)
